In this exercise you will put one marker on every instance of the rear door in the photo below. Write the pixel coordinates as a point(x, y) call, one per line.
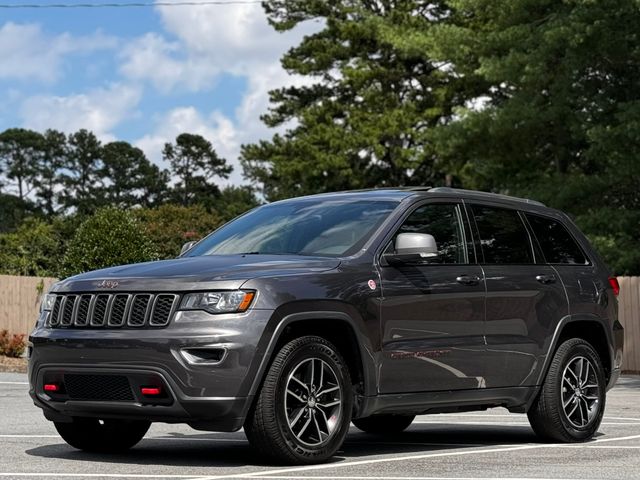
point(585, 285)
point(433, 312)
point(525, 297)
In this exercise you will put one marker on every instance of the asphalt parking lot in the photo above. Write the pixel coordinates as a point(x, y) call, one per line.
point(493, 444)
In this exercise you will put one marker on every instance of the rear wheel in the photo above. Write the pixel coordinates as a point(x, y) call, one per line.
point(384, 423)
point(105, 436)
point(571, 402)
point(303, 411)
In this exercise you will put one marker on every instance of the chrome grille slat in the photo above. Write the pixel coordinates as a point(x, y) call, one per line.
point(119, 309)
point(163, 308)
point(113, 310)
point(68, 309)
point(82, 310)
point(139, 310)
point(99, 312)
point(55, 311)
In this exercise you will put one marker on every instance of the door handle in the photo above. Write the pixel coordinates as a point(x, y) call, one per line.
point(546, 279)
point(468, 279)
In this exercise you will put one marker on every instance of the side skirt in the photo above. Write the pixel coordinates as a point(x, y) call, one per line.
point(516, 399)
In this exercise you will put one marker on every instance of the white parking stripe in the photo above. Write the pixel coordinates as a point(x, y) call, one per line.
point(95, 475)
point(14, 383)
point(498, 423)
point(273, 474)
point(414, 478)
point(373, 461)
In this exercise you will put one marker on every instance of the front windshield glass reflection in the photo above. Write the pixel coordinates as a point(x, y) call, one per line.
point(307, 227)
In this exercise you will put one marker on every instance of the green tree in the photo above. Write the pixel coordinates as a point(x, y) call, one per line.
point(48, 177)
point(130, 178)
point(33, 249)
point(234, 201)
point(561, 109)
point(368, 112)
point(110, 237)
point(194, 163)
point(84, 172)
point(13, 211)
point(171, 226)
point(20, 152)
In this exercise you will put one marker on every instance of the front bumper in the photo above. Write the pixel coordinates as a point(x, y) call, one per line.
point(208, 395)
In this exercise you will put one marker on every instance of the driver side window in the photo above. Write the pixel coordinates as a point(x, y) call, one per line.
point(442, 221)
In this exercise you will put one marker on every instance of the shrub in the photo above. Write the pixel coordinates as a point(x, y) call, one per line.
point(110, 237)
point(171, 226)
point(12, 345)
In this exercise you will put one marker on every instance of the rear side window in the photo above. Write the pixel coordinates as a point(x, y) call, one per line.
point(558, 246)
point(503, 236)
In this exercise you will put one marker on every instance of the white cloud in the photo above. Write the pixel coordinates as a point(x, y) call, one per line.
point(208, 40)
point(153, 58)
point(215, 127)
point(234, 39)
point(99, 110)
point(26, 52)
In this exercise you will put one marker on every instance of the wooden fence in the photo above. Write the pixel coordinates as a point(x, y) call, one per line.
point(20, 299)
point(629, 315)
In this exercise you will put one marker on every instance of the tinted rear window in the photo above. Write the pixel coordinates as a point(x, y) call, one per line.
point(558, 246)
point(503, 236)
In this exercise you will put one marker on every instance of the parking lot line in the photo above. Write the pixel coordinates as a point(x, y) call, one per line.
point(270, 477)
point(93, 475)
point(412, 478)
point(259, 474)
point(446, 422)
point(14, 383)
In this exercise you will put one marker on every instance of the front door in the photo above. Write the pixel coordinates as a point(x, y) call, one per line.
point(433, 312)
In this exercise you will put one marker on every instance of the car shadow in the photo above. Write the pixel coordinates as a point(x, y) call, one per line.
point(233, 450)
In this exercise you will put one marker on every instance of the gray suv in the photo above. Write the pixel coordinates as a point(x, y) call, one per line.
point(305, 315)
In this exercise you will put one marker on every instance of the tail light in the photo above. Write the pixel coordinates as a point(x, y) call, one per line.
point(613, 281)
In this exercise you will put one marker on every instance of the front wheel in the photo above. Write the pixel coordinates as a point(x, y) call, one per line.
point(303, 410)
point(102, 436)
point(571, 402)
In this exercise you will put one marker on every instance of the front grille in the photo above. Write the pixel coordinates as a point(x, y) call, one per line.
point(67, 310)
point(139, 310)
point(113, 388)
point(119, 310)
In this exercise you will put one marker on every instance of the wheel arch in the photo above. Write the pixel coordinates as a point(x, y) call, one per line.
point(590, 328)
point(337, 327)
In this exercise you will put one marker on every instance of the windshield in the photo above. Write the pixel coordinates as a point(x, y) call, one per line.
point(307, 227)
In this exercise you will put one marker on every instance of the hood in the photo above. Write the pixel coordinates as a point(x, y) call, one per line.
point(194, 273)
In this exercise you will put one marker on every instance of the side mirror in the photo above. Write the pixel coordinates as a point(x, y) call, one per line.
point(186, 247)
point(413, 248)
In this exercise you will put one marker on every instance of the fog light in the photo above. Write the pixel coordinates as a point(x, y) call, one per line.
point(51, 387)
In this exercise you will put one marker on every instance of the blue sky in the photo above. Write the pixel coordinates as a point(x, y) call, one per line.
point(143, 74)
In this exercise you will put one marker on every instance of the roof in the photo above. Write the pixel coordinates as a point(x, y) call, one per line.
point(400, 193)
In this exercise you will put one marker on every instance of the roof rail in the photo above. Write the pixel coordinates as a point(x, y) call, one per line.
point(487, 195)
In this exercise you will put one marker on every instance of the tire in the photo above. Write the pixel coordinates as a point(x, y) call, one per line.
point(102, 436)
point(320, 421)
point(381, 424)
point(569, 409)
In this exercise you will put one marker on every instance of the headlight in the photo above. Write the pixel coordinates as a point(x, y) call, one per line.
point(218, 302)
point(46, 305)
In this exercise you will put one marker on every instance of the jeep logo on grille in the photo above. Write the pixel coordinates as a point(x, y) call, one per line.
point(107, 284)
